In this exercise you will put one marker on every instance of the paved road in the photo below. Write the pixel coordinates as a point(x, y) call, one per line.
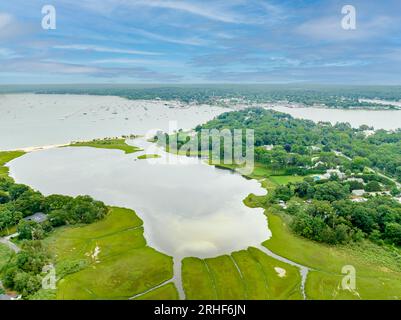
point(395, 181)
point(8, 243)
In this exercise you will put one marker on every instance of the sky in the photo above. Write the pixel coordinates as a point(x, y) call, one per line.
point(208, 41)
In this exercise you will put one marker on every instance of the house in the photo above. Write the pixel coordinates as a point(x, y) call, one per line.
point(341, 175)
point(360, 180)
point(368, 133)
point(268, 147)
point(282, 204)
point(38, 217)
point(315, 148)
point(359, 200)
point(358, 192)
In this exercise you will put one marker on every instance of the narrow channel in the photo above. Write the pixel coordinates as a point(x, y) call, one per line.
point(303, 270)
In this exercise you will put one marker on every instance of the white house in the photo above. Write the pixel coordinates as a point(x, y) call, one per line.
point(360, 180)
point(268, 147)
point(340, 174)
point(358, 193)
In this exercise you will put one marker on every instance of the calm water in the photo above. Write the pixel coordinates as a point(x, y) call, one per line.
point(380, 119)
point(29, 120)
point(189, 208)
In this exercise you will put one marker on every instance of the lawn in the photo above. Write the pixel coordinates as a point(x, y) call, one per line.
point(260, 171)
point(108, 143)
point(283, 180)
point(108, 259)
point(5, 157)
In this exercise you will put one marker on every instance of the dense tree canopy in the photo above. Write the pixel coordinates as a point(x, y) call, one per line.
point(19, 201)
point(295, 138)
point(323, 211)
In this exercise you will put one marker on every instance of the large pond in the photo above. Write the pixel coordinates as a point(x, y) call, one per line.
point(189, 208)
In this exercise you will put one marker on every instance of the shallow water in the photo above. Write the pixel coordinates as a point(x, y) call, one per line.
point(189, 208)
point(29, 120)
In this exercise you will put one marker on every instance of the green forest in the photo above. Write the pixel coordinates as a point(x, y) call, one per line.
point(296, 141)
point(331, 96)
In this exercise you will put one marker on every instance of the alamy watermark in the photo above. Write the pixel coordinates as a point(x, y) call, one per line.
point(348, 22)
point(49, 19)
point(49, 280)
point(348, 282)
point(225, 147)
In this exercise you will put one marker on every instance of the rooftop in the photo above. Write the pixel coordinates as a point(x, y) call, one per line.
point(38, 217)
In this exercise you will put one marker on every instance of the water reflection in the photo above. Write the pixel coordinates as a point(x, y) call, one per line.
point(189, 208)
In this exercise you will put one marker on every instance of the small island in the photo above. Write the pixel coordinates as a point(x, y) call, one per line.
point(148, 156)
point(118, 143)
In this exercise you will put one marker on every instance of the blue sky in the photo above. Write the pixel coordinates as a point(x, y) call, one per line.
point(185, 41)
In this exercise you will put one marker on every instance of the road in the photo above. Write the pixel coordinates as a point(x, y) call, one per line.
point(6, 241)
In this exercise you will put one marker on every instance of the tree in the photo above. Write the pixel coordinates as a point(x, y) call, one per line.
point(27, 283)
point(393, 232)
point(398, 173)
point(16, 190)
point(355, 185)
point(301, 189)
point(30, 202)
point(8, 217)
point(331, 191)
point(4, 197)
point(364, 219)
point(359, 163)
point(342, 233)
point(32, 258)
point(56, 202)
point(30, 230)
point(373, 186)
point(284, 193)
point(395, 192)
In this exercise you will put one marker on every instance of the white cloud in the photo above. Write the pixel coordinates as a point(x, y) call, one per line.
point(7, 53)
point(85, 47)
point(140, 62)
point(216, 10)
point(5, 20)
point(60, 68)
point(206, 10)
point(194, 41)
